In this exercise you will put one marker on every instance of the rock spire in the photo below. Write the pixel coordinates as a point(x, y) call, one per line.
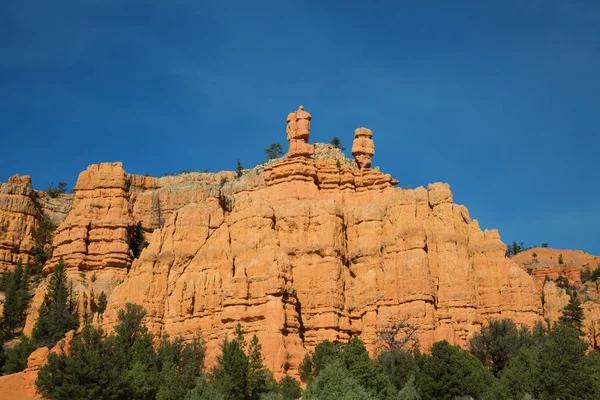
point(363, 147)
point(298, 130)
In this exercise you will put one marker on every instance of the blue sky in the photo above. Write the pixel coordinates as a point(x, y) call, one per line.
point(498, 98)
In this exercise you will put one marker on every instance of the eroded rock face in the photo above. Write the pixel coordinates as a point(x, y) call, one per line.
point(297, 262)
point(93, 240)
point(308, 247)
point(19, 215)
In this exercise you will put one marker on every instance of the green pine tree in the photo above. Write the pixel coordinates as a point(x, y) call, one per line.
point(306, 369)
point(56, 314)
point(42, 237)
point(273, 151)
point(137, 241)
point(258, 374)
point(90, 370)
point(16, 292)
point(564, 368)
point(337, 143)
point(102, 303)
point(230, 376)
point(289, 388)
point(335, 382)
point(16, 356)
point(496, 343)
point(572, 313)
point(449, 372)
point(409, 391)
point(367, 372)
point(323, 354)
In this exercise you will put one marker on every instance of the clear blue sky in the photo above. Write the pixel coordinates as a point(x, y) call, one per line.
point(498, 98)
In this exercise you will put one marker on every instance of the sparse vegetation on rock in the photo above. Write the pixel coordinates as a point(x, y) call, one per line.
point(274, 151)
point(137, 241)
point(55, 191)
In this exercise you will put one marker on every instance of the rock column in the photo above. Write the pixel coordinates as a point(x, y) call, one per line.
point(298, 130)
point(363, 147)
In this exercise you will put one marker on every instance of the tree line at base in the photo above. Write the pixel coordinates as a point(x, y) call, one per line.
point(504, 361)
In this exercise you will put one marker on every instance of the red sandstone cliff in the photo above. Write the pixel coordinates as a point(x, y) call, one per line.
point(308, 247)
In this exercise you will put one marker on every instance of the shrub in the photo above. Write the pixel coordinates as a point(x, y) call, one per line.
point(273, 151)
point(337, 143)
point(55, 191)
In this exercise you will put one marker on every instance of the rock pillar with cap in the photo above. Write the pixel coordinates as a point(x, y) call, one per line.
point(363, 147)
point(298, 131)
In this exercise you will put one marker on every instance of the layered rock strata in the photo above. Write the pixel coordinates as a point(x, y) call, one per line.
point(308, 247)
point(19, 215)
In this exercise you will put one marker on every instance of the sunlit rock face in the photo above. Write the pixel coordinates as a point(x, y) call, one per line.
point(308, 247)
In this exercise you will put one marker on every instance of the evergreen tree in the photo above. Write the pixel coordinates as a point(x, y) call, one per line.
point(564, 368)
point(16, 292)
point(258, 374)
point(16, 356)
point(90, 371)
point(2, 353)
point(337, 143)
point(398, 365)
point(572, 313)
point(239, 169)
point(368, 373)
point(42, 237)
point(230, 376)
point(521, 374)
point(123, 366)
point(56, 314)
point(409, 391)
point(137, 241)
point(496, 343)
point(450, 372)
point(129, 330)
point(305, 369)
point(273, 151)
point(179, 366)
point(335, 382)
point(102, 303)
point(324, 353)
point(562, 282)
point(594, 363)
point(204, 390)
point(289, 388)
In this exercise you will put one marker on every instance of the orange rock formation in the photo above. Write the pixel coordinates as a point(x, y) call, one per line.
point(308, 247)
point(20, 210)
point(18, 219)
